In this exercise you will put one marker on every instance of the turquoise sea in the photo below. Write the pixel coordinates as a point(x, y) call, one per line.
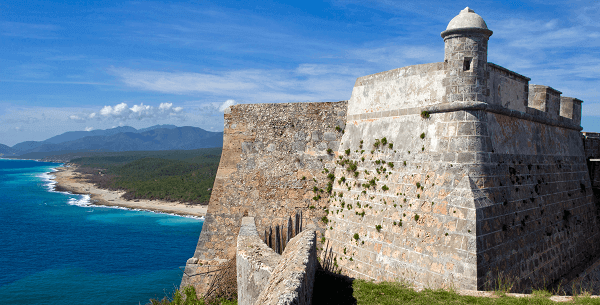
point(57, 249)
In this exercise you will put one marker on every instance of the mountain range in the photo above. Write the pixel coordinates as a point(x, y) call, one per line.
point(125, 138)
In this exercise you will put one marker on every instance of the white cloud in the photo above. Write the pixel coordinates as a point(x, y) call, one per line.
point(76, 118)
point(123, 112)
point(182, 83)
point(307, 82)
point(167, 109)
point(89, 128)
point(92, 115)
point(226, 105)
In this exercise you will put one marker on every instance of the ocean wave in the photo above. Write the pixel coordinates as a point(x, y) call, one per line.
point(83, 201)
point(49, 181)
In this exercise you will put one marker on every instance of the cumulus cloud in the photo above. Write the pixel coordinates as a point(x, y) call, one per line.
point(89, 128)
point(226, 105)
point(123, 112)
point(120, 110)
point(92, 115)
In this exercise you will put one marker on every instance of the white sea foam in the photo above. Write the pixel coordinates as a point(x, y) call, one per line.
point(48, 179)
point(83, 201)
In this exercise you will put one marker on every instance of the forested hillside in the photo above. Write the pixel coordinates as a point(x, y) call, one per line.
point(182, 175)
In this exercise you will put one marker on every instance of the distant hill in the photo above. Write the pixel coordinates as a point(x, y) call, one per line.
point(165, 126)
point(6, 150)
point(74, 135)
point(159, 137)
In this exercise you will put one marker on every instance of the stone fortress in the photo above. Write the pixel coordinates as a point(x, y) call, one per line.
point(439, 174)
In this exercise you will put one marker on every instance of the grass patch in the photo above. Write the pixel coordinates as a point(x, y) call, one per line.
point(366, 292)
point(188, 297)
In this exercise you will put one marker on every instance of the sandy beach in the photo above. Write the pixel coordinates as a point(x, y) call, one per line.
point(69, 180)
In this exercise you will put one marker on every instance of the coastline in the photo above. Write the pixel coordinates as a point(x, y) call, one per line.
point(67, 180)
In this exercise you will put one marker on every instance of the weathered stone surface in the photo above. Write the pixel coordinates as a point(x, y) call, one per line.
point(268, 168)
point(255, 263)
point(292, 280)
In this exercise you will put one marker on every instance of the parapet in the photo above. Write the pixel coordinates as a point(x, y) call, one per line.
point(255, 263)
point(507, 88)
point(265, 277)
point(570, 108)
point(545, 99)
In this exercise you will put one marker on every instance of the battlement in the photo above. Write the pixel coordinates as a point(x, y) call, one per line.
point(570, 108)
point(506, 88)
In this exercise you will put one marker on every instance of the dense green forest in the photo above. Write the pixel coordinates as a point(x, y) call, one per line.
point(182, 175)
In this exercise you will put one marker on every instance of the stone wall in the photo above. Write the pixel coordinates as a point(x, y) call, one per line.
point(293, 279)
point(255, 262)
point(402, 89)
point(542, 222)
point(507, 88)
point(473, 189)
point(265, 277)
point(274, 155)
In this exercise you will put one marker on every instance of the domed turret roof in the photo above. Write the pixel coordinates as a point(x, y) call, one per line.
point(467, 20)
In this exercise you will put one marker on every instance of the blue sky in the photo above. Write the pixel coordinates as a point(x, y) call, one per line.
point(77, 65)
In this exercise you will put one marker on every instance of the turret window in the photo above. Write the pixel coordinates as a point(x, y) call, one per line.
point(467, 64)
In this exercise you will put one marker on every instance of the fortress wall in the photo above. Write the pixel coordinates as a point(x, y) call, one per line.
point(542, 221)
point(398, 90)
point(507, 88)
point(431, 199)
point(268, 149)
point(511, 195)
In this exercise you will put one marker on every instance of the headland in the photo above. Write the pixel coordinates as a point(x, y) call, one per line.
point(69, 180)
